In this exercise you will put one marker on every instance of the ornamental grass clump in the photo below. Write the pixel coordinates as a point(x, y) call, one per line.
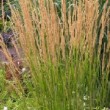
point(66, 46)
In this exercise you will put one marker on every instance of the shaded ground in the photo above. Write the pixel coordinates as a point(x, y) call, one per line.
point(12, 52)
point(7, 38)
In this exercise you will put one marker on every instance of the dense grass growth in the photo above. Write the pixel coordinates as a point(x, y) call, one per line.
point(67, 49)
